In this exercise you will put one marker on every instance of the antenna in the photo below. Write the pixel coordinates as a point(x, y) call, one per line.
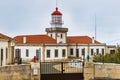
point(56, 3)
point(95, 28)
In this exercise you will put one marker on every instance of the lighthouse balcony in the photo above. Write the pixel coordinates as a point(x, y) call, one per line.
point(56, 29)
point(56, 22)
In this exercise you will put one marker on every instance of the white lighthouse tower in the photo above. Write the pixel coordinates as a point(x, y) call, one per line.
point(56, 30)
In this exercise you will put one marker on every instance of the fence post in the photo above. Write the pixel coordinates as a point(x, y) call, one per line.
point(62, 70)
point(40, 70)
point(93, 71)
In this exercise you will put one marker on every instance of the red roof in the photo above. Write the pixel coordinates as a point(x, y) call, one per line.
point(80, 40)
point(35, 39)
point(45, 39)
point(56, 12)
point(4, 36)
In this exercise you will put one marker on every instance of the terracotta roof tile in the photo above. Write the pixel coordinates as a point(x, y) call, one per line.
point(80, 40)
point(35, 39)
point(41, 39)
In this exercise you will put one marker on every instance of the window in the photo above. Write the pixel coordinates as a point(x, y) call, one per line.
point(59, 18)
point(97, 51)
point(6, 53)
point(48, 53)
point(61, 36)
point(1, 54)
point(83, 51)
point(63, 53)
point(18, 53)
point(56, 18)
point(77, 51)
point(92, 51)
point(71, 51)
point(27, 53)
point(112, 51)
point(56, 53)
point(103, 51)
point(37, 53)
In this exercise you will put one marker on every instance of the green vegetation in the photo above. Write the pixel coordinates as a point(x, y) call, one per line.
point(108, 58)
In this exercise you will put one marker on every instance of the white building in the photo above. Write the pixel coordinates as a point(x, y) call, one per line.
point(6, 50)
point(56, 45)
point(111, 49)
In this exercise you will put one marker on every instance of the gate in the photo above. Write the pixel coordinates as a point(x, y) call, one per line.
point(61, 71)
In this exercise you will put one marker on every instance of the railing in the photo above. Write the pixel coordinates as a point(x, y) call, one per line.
point(56, 29)
point(61, 67)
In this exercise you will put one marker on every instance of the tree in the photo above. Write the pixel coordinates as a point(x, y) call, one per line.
point(108, 58)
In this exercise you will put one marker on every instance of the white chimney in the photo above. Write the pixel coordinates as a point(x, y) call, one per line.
point(93, 40)
point(24, 39)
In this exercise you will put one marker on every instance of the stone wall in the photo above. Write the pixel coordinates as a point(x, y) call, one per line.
point(15, 72)
point(101, 71)
point(108, 71)
point(89, 71)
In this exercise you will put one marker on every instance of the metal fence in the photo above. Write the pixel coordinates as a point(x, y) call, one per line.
point(61, 67)
point(61, 71)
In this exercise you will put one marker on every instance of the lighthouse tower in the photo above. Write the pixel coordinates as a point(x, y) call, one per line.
point(56, 30)
point(56, 19)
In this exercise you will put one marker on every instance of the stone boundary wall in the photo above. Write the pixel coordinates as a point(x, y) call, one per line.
point(15, 72)
point(100, 71)
point(108, 71)
point(88, 71)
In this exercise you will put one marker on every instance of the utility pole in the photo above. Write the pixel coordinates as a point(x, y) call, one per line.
point(95, 28)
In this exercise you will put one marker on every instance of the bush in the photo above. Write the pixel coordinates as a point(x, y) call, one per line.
point(108, 58)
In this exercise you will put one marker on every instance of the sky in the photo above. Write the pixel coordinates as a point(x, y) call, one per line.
point(29, 17)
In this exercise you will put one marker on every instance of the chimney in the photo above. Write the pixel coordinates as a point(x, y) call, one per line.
point(24, 40)
point(93, 40)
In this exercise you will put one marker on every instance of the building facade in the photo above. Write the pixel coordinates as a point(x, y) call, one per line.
point(6, 50)
point(111, 49)
point(56, 44)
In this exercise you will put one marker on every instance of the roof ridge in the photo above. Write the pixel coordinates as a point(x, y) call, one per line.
point(78, 36)
point(5, 36)
point(32, 35)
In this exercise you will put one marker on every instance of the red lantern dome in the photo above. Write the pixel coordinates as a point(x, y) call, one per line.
point(56, 12)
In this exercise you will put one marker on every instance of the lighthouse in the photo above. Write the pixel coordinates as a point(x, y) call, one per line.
point(56, 18)
point(56, 30)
